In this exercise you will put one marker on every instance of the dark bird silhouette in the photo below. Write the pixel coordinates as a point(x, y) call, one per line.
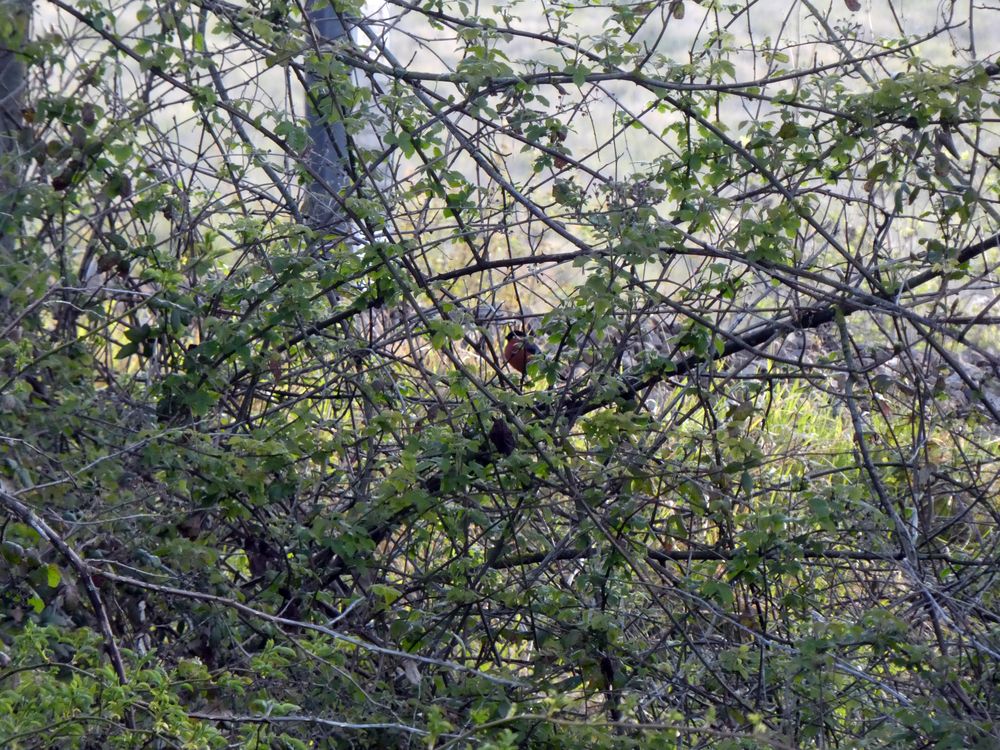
point(501, 437)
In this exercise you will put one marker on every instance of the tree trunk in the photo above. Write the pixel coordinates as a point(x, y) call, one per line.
point(14, 18)
point(327, 157)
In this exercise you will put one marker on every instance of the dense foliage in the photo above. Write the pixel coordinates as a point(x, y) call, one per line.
point(267, 481)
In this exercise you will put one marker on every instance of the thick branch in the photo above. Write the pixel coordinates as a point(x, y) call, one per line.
point(812, 317)
point(662, 556)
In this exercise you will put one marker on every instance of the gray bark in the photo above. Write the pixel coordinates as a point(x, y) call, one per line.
point(328, 155)
point(14, 20)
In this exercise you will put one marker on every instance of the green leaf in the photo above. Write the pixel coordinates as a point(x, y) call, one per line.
point(878, 170)
point(579, 73)
point(387, 594)
point(295, 136)
point(788, 130)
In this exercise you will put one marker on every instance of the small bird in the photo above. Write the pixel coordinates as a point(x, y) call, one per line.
point(518, 351)
point(502, 437)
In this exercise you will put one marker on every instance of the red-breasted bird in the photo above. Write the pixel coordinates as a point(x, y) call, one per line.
point(518, 351)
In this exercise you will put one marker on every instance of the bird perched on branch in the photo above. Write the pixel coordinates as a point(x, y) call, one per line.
point(502, 437)
point(518, 351)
